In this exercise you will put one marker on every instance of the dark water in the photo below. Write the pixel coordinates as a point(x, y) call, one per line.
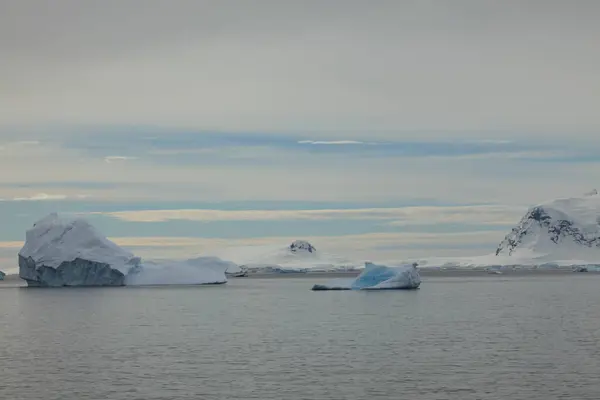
point(476, 338)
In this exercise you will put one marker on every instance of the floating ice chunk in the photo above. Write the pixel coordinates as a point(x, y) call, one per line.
point(196, 271)
point(378, 277)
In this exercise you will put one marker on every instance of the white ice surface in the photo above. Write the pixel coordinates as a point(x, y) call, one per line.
point(54, 240)
point(537, 248)
point(201, 270)
point(568, 225)
point(279, 256)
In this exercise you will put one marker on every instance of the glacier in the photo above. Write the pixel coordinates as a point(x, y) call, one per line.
point(378, 277)
point(62, 251)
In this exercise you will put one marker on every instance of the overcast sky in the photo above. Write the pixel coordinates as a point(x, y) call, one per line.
point(345, 66)
point(141, 105)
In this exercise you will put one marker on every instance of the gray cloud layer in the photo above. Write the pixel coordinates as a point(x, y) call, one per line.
point(339, 67)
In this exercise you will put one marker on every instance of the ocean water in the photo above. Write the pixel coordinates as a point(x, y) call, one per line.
point(493, 337)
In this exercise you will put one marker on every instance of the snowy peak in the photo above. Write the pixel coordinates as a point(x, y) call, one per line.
point(302, 246)
point(562, 226)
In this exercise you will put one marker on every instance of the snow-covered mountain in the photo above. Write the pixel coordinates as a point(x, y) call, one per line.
point(302, 246)
point(300, 255)
point(557, 229)
point(558, 233)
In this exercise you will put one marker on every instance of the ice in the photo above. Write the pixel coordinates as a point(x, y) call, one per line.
point(61, 251)
point(196, 271)
point(2, 275)
point(378, 277)
point(70, 252)
point(299, 256)
point(557, 230)
point(554, 234)
point(54, 240)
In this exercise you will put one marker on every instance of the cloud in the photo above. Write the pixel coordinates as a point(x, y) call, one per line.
point(18, 145)
point(367, 240)
point(48, 197)
point(40, 197)
point(11, 245)
point(382, 246)
point(263, 168)
point(336, 70)
point(23, 143)
point(422, 215)
point(329, 142)
point(111, 159)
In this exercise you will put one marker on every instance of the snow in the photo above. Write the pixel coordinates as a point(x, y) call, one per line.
point(70, 252)
point(300, 256)
point(61, 251)
point(196, 271)
point(54, 240)
point(558, 233)
point(302, 246)
point(378, 277)
point(558, 230)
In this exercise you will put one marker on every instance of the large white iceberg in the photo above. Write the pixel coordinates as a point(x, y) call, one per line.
point(61, 251)
point(378, 277)
point(70, 252)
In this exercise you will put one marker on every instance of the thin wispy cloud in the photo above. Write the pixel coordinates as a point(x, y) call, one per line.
point(38, 197)
point(364, 241)
point(331, 142)
point(112, 159)
point(18, 145)
point(424, 215)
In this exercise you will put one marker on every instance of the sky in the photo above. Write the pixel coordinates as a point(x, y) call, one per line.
point(381, 129)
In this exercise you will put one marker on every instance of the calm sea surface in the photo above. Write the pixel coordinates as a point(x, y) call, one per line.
point(456, 338)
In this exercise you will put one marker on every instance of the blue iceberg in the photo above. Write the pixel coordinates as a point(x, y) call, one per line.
point(378, 277)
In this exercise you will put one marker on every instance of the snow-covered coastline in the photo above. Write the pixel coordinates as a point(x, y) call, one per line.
point(58, 251)
point(558, 233)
